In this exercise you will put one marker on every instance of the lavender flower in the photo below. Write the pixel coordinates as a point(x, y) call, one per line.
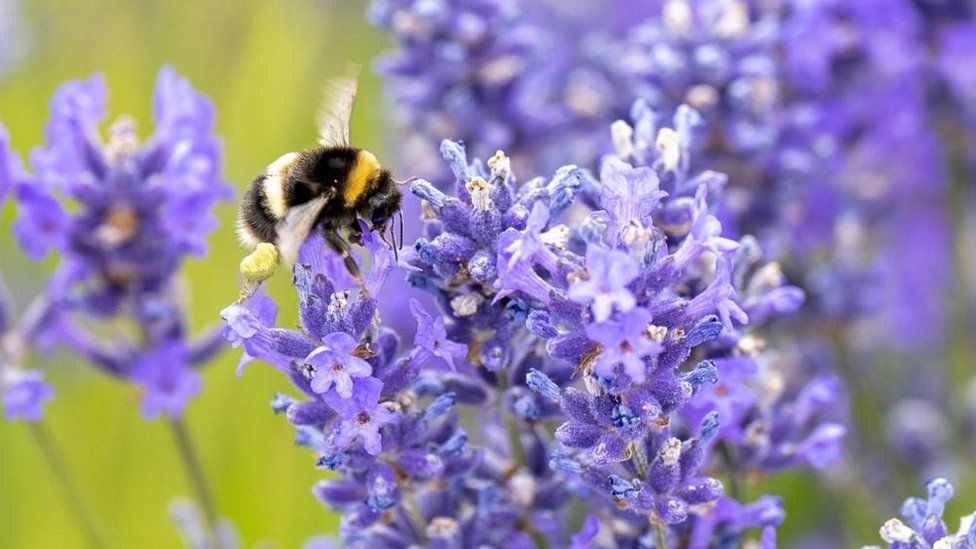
point(730, 518)
point(925, 526)
point(431, 338)
point(22, 392)
point(196, 533)
point(804, 103)
point(335, 364)
point(607, 327)
point(122, 216)
point(361, 416)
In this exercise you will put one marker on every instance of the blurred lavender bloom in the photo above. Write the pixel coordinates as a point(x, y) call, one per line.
point(925, 527)
point(195, 532)
point(804, 103)
point(122, 216)
point(23, 393)
point(919, 431)
point(730, 518)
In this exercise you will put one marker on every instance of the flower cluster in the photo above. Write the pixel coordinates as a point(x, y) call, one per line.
point(925, 528)
point(805, 102)
point(391, 431)
point(604, 359)
point(122, 216)
point(805, 105)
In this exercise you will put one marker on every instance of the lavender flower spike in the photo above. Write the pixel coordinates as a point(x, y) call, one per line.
point(607, 308)
point(925, 527)
point(122, 216)
point(22, 392)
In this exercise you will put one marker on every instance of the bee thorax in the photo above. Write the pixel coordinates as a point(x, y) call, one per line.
point(364, 170)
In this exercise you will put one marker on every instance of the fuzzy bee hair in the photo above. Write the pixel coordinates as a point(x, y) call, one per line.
point(333, 186)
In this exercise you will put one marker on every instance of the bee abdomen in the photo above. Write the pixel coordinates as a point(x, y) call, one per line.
point(256, 221)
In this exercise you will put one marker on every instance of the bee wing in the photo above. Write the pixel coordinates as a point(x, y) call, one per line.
point(294, 228)
point(338, 98)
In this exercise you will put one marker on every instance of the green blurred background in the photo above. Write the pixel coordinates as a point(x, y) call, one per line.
point(263, 64)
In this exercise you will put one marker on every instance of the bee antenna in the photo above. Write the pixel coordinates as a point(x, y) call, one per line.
point(400, 211)
point(396, 252)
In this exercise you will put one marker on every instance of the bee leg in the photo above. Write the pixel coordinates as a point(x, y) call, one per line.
point(248, 287)
point(257, 267)
point(337, 243)
point(381, 234)
point(356, 232)
point(396, 248)
point(400, 211)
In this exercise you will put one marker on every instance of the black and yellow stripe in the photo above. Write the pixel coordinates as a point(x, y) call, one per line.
point(364, 170)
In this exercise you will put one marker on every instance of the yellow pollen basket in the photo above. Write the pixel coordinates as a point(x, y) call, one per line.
point(261, 263)
point(363, 171)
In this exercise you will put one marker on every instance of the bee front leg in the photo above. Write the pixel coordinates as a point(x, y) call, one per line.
point(356, 232)
point(337, 243)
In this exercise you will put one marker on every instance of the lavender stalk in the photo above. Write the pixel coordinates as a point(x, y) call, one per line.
point(80, 509)
point(194, 469)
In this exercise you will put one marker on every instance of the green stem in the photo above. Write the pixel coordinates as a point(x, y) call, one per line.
point(512, 431)
point(639, 459)
point(961, 348)
point(515, 441)
point(869, 425)
point(413, 512)
point(194, 470)
point(660, 534)
point(72, 495)
point(728, 454)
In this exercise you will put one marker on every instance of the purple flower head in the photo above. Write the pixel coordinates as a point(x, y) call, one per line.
point(720, 295)
point(24, 393)
point(605, 288)
point(43, 224)
point(586, 535)
point(10, 167)
point(243, 323)
point(122, 215)
point(626, 343)
point(629, 194)
point(620, 336)
point(141, 207)
point(431, 337)
point(801, 103)
point(957, 42)
point(335, 364)
point(167, 381)
point(730, 519)
point(925, 526)
point(361, 417)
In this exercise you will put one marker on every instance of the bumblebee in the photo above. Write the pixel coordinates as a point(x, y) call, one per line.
point(329, 187)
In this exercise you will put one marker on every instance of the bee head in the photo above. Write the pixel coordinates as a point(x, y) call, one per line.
point(385, 202)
